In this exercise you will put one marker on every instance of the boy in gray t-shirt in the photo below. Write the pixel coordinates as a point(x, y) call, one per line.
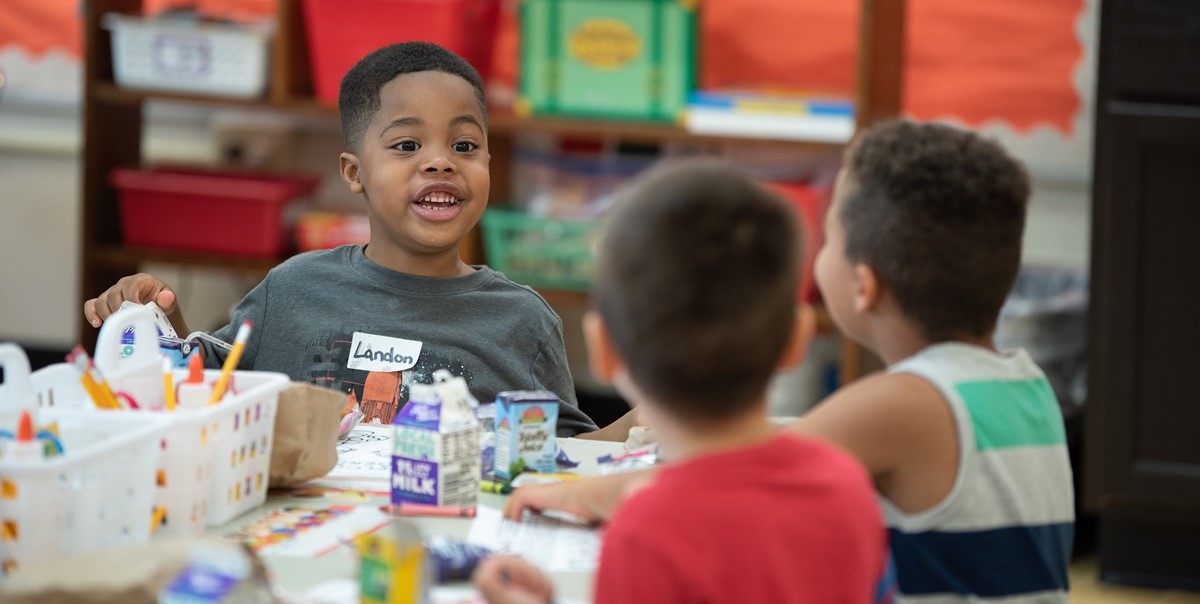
point(370, 320)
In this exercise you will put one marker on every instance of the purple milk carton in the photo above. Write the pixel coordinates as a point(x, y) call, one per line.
point(435, 455)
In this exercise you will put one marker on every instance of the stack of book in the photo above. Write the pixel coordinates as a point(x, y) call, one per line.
point(773, 116)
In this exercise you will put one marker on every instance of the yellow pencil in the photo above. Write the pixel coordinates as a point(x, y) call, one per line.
point(106, 393)
point(168, 384)
point(231, 361)
point(156, 520)
point(93, 390)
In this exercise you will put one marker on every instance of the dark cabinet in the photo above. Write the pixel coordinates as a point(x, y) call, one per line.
point(1143, 410)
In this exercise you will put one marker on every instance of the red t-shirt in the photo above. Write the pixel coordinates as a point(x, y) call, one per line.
point(790, 520)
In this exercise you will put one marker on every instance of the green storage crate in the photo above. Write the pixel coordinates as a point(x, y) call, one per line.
point(623, 59)
point(541, 252)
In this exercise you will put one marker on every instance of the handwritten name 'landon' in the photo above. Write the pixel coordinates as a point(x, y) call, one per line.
point(378, 355)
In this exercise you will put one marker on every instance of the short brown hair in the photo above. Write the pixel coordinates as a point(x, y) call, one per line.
point(696, 283)
point(358, 96)
point(938, 212)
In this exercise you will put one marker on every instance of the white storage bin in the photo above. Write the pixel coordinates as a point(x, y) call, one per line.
point(182, 56)
point(99, 493)
point(214, 462)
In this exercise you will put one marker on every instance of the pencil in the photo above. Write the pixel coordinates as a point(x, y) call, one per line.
point(168, 384)
point(231, 361)
point(106, 393)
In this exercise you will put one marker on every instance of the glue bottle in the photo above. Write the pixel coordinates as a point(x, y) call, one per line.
point(193, 392)
point(25, 446)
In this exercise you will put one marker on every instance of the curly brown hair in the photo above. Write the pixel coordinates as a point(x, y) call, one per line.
point(938, 212)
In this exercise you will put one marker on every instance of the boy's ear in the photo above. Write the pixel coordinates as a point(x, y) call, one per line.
point(603, 359)
point(803, 330)
point(350, 172)
point(867, 288)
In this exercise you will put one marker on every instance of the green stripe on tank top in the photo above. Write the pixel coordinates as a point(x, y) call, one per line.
point(1013, 413)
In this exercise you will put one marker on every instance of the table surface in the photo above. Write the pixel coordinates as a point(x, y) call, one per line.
point(297, 575)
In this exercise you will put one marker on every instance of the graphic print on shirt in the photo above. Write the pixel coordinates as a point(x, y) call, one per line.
point(380, 394)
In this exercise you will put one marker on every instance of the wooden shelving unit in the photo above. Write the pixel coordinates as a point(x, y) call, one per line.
point(113, 132)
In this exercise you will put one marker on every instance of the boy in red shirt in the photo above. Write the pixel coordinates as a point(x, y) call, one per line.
point(694, 310)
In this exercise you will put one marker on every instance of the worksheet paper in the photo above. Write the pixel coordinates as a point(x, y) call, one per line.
point(364, 460)
point(552, 545)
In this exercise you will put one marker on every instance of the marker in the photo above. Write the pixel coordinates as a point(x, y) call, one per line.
point(499, 488)
point(421, 509)
point(25, 446)
point(231, 361)
point(169, 383)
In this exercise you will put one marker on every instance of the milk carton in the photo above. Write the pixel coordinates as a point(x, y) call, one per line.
point(525, 430)
point(436, 457)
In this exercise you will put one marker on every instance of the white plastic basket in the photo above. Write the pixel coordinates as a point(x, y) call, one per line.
point(98, 494)
point(204, 58)
point(214, 462)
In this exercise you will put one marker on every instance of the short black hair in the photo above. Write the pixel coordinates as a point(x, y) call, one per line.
point(696, 282)
point(358, 98)
point(938, 212)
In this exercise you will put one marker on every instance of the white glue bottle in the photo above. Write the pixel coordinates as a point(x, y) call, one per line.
point(132, 369)
point(193, 392)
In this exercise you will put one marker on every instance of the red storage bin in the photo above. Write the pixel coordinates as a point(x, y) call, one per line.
point(810, 203)
point(340, 32)
point(237, 213)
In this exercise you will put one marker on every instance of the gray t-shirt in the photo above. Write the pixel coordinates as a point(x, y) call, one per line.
point(336, 319)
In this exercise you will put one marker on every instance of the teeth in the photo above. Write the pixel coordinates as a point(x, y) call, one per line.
point(439, 198)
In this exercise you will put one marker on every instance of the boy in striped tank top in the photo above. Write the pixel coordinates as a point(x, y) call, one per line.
point(965, 443)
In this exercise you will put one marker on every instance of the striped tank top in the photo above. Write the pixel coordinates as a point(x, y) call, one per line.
point(1003, 534)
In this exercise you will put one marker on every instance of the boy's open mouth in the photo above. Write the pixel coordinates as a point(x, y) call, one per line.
point(438, 201)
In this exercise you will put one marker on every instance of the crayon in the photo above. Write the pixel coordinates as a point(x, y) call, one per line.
point(421, 509)
point(499, 488)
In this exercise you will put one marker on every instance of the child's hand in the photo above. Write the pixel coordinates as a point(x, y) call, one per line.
point(560, 496)
point(510, 580)
point(140, 288)
point(593, 499)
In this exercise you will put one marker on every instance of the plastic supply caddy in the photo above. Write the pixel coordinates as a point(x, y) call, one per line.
point(98, 493)
point(215, 460)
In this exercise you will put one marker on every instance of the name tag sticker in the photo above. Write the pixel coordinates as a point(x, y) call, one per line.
point(369, 352)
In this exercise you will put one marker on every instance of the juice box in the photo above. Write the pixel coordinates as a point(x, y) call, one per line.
point(436, 457)
point(525, 430)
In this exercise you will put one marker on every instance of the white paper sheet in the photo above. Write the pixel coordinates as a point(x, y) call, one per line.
point(552, 545)
point(364, 460)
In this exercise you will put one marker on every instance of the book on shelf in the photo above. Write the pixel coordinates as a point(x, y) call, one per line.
point(769, 115)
